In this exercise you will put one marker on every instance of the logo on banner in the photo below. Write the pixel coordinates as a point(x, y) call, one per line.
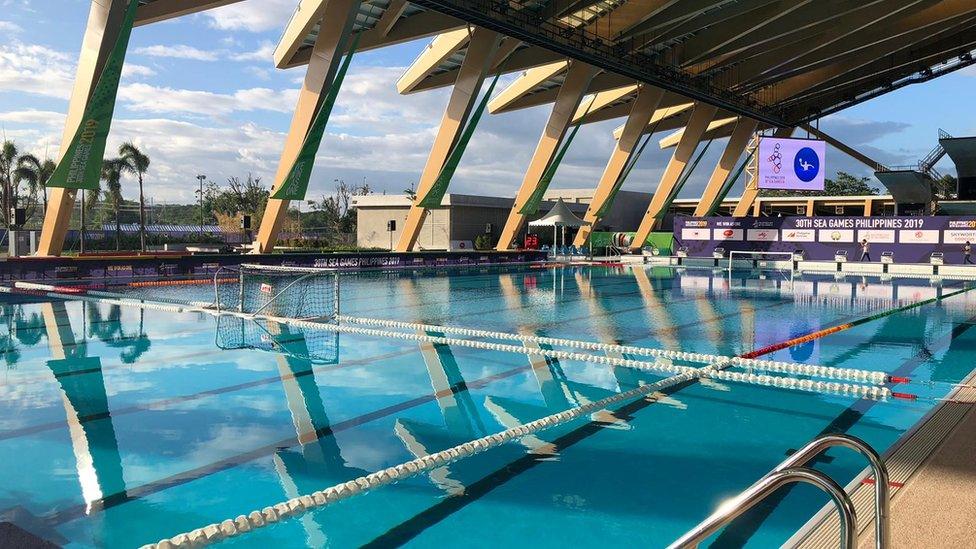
point(776, 159)
point(762, 235)
point(918, 236)
point(806, 164)
point(959, 237)
point(798, 235)
point(728, 234)
point(695, 234)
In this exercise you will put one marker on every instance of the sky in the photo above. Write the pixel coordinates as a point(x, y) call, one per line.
point(200, 95)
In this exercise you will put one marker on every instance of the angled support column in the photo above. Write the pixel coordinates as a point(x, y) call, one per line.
point(326, 56)
point(648, 98)
point(697, 124)
point(751, 191)
point(737, 144)
point(477, 60)
point(104, 23)
point(571, 93)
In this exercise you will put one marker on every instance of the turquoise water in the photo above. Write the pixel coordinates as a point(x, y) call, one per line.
point(119, 427)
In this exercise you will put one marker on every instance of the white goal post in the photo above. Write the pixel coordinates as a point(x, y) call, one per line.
point(763, 261)
point(308, 293)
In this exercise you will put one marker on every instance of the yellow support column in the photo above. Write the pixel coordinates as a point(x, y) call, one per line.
point(868, 203)
point(737, 144)
point(477, 60)
point(327, 53)
point(697, 124)
point(810, 208)
point(104, 23)
point(648, 98)
point(567, 101)
point(751, 191)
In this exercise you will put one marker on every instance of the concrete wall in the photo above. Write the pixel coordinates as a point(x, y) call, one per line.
point(372, 233)
point(469, 222)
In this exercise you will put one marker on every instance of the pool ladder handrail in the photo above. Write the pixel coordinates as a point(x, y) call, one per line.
point(792, 470)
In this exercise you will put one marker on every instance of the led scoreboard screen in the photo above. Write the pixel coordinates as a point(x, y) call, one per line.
point(791, 164)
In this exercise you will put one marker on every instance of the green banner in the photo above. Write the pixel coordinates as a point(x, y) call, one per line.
point(81, 165)
point(439, 189)
point(531, 206)
point(295, 184)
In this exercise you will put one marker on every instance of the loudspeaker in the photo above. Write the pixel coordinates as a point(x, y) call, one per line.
point(19, 216)
point(391, 225)
point(245, 222)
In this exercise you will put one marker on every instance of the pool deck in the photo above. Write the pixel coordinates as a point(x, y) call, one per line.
point(937, 506)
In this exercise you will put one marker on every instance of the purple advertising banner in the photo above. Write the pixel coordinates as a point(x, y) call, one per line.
point(911, 239)
point(791, 164)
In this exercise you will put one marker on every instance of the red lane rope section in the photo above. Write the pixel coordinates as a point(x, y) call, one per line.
point(847, 325)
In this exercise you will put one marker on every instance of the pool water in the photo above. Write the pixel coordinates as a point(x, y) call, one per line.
point(121, 426)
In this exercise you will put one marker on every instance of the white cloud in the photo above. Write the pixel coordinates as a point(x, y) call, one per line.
point(177, 51)
point(264, 53)
point(44, 118)
point(154, 99)
point(130, 70)
point(6, 27)
point(252, 16)
point(35, 69)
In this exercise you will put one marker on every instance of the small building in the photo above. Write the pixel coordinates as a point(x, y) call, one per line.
point(464, 217)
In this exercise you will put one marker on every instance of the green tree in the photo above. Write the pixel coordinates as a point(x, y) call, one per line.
point(946, 188)
point(137, 162)
point(843, 184)
point(36, 173)
point(112, 170)
point(8, 163)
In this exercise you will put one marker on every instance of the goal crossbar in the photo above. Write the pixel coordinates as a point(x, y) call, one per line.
point(307, 293)
point(764, 261)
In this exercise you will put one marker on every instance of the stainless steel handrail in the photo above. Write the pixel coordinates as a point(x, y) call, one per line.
point(881, 491)
point(759, 491)
point(762, 488)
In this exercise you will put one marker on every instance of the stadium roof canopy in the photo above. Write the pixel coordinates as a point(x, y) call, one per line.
point(781, 62)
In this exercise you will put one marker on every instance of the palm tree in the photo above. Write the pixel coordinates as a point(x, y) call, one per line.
point(112, 169)
point(35, 173)
point(8, 161)
point(137, 162)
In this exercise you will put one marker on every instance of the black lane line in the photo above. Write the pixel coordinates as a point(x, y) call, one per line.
point(415, 526)
point(739, 532)
point(77, 511)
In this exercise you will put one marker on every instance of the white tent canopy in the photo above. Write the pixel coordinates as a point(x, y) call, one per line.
point(559, 216)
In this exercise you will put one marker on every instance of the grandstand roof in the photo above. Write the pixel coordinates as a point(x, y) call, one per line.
point(782, 62)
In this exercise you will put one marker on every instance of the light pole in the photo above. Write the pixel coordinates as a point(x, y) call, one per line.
point(201, 178)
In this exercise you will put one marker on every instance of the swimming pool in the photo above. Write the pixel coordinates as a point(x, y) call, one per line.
point(121, 426)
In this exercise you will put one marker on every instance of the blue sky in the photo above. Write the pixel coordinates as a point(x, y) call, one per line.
point(200, 95)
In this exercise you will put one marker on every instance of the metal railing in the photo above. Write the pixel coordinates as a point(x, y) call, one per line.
point(791, 471)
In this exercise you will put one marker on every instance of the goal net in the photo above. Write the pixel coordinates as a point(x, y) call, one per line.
point(317, 346)
point(306, 293)
point(763, 263)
